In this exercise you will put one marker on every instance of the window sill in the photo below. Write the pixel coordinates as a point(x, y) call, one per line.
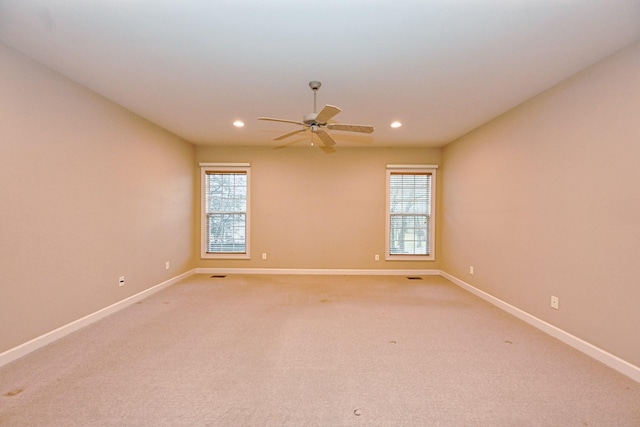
point(410, 257)
point(224, 256)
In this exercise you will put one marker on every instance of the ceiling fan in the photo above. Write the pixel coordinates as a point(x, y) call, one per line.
point(318, 123)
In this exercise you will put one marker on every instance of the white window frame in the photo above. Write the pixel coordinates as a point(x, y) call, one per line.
point(411, 169)
point(228, 168)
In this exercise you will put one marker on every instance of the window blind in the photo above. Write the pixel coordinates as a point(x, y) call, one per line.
point(409, 213)
point(226, 211)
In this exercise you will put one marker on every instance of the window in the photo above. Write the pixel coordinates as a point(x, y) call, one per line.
point(410, 212)
point(225, 210)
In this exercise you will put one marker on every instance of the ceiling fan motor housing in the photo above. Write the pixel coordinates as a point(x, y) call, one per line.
point(310, 119)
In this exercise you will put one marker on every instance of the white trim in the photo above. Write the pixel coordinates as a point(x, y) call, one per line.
point(224, 165)
point(319, 271)
point(391, 166)
point(39, 342)
point(597, 353)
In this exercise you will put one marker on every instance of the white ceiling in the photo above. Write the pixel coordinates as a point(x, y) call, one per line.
point(442, 67)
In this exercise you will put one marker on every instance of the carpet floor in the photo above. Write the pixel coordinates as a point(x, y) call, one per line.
point(271, 350)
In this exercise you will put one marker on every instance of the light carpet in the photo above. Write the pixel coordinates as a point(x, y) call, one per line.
point(267, 350)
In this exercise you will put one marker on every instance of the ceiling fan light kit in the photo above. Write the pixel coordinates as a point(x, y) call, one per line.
point(318, 123)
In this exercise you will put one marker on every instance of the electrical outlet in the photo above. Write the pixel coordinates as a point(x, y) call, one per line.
point(376, 257)
point(264, 255)
point(166, 265)
point(471, 270)
point(555, 302)
point(121, 281)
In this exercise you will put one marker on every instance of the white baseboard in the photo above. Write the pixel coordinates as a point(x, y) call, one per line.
point(597, 353)
point(39, 342)
point(319, 271)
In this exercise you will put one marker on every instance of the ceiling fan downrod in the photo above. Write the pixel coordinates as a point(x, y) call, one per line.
point(315, 85)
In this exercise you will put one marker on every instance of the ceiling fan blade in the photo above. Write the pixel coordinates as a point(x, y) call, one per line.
point(281, 121)
point(287, 135)
point(325, 138)
point(328, 150)
point(356, 138)
point(327, 113)
point(288, 144)
point(351, 128)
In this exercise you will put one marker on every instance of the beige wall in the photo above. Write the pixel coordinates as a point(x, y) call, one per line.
point(541, 201)
point(545, 200)
point(311, 210)
point(89, 192)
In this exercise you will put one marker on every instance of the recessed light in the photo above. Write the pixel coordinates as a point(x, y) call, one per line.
point(396, 124)
point(238, 123)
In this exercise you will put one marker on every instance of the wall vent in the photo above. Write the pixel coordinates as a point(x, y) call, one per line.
point(414, 278)
point(218, 277)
